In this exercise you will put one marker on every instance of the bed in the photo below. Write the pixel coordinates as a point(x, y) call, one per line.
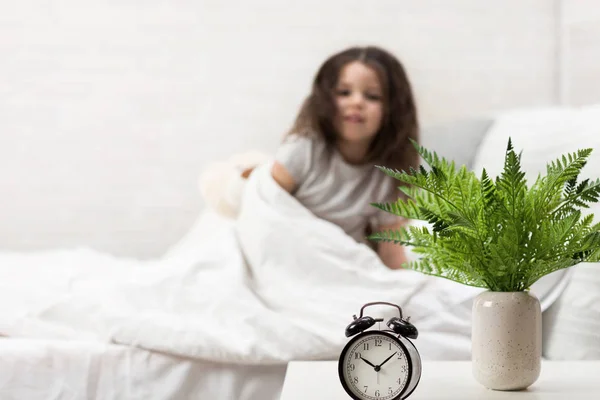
point(35, 369)
point(94, 326)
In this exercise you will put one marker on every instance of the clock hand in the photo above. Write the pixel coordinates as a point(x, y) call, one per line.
point(368, 362)
point(387, 359)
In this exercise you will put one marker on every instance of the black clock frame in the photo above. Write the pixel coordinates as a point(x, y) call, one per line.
point(392, 335)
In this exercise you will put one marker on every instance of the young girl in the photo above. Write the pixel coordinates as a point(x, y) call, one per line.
point(360, 113)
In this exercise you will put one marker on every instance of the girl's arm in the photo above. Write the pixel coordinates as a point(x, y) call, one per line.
point(391, 254)
point(283, 177)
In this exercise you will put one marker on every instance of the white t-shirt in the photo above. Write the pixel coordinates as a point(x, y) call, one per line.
point(335, 190)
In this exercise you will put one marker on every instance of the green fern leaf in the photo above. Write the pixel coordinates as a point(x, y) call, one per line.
point(499, 234)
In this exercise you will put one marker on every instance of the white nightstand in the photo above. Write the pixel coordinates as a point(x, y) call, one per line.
point(445, 380)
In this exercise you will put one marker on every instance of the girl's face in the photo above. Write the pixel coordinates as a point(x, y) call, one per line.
point(359, 103)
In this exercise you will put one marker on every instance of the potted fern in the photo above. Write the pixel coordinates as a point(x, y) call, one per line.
point(502, 235)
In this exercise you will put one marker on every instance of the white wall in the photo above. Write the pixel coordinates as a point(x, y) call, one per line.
point(109, 109)
point(580, 41)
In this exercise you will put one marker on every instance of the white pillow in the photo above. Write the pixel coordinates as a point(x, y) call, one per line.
point(544, 135)
point(572, 325)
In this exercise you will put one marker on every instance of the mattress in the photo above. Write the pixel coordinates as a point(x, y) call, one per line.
point(56, 369)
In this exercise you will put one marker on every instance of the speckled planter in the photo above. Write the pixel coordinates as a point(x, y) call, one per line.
point(506, 340)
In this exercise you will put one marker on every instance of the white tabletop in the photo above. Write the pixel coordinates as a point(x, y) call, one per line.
point(440, 380)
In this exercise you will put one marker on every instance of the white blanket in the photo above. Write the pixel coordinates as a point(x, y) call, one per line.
point(275, 285)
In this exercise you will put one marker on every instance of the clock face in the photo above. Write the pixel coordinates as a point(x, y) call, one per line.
point(374, 366)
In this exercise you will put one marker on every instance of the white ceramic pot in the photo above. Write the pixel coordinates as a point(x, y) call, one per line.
point(506, 340)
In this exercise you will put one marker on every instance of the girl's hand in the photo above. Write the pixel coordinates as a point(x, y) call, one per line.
point(391, 254)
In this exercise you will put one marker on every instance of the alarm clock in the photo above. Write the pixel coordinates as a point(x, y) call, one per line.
point(380, 364)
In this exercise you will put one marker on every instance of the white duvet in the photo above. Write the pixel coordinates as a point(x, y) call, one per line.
point(276, 284)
